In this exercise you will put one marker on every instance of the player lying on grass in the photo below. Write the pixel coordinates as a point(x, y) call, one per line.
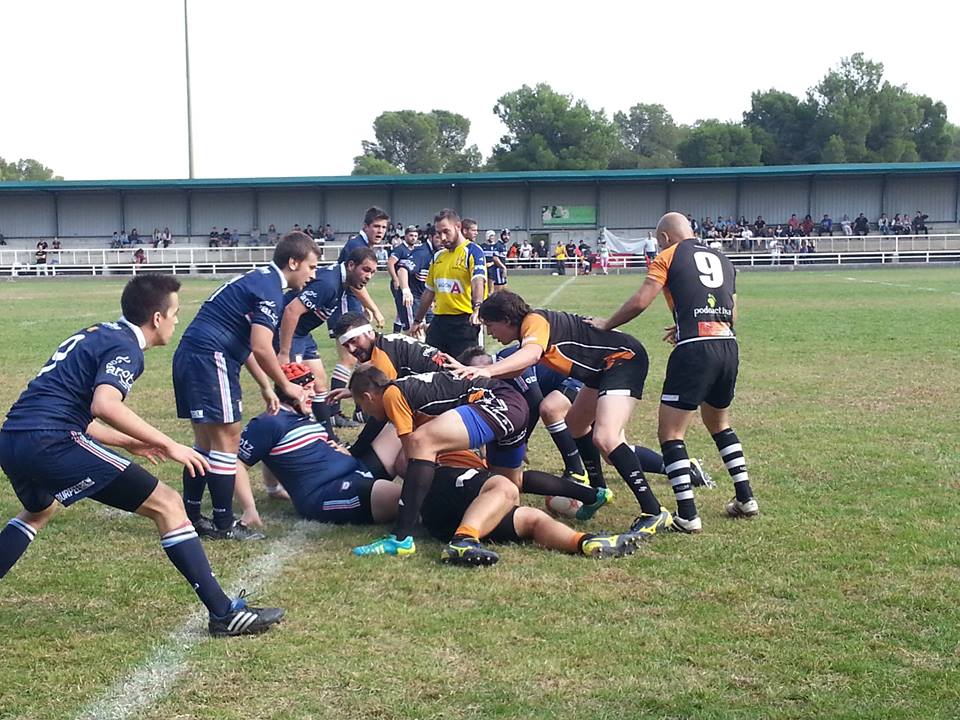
point(699, 285)
point(612, 366)
point(436, 413)
point(466, 502)
point(53, 446)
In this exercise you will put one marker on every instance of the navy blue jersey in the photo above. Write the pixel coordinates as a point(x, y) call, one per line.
point(225, 318)
point(322, 297)
point(524, 380)
point(402, 253)
point(500, 251)
point(294, 447)
point(420, 260)
point(488, 256)
point(357, 241)
point(59, 397)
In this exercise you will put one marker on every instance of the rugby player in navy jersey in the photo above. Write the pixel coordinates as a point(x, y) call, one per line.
point(612, 366)
point(400, 287)
point(53, 445)
point(414, 271)
point(499, 276)
point(699, 285)
point(235, 326)
point(321, 301)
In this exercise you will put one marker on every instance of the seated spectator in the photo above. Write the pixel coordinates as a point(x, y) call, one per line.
point(758, 225)
point(297, 228)
point(571, 249)
point(156, 236)
point(166, 237)
point(272, 234)
point(124, 240)
point(214, 236)
point(846, 226)
point(328, 233)
point(255, 236)
point(694, 225)
point(115, 243)
point(134, 238)
point(309, 231)
point(806, 227)
point(811, 245)
point(794, 224)
point(861, 226)
point(883, 224)
point(513, 253)
point(825, 226)
point(919, 224)
point(139, 257)
point(780, 232)
point(382, 255)
point(56, 244)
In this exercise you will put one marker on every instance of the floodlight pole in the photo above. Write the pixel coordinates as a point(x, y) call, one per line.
point(186, 50)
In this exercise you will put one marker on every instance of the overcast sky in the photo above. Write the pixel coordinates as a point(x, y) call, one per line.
point(95, 89)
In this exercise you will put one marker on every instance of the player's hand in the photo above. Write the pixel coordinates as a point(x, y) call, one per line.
point(277, 492)
point(416, 329)
point(337, 394)
point(670, 334)
point(194, 462)
point(395, 284)
point(598, 323)
point(251, 518)
point(152, 453)
point(283, 357)
point(378, 319)
point(475, 317)
point(338, 447)
point(465, 372)
point(291, 390)
point(271, 399)
point(407, 296)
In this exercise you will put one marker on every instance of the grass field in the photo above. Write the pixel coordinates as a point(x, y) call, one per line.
point(840, 601)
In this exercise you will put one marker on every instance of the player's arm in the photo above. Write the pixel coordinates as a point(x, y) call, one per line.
point(426, 300)
point(403, 282)
point(242, 491)
point(735, 309)
point(364, 297)
point(392, 270)
point(261, 344)
point(107, 405)
point(635, 304)
point(288, 325)
point(478, 281)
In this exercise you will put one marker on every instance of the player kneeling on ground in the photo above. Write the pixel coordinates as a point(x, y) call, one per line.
point(52, 447)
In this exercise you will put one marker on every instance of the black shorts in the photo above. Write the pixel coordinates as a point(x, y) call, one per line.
point(701, 372)
point(452, 334)
point(450, 495)
point(624, 373)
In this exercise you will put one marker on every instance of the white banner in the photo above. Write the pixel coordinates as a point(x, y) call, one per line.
point(619, 246)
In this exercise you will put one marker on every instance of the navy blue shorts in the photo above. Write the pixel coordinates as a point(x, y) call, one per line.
point(345, 500)
point(206, 386)
point(303, 347)
point(348, 303)
point(497, 276)
point(550, 380)
point(48, 465)
point(404, 315)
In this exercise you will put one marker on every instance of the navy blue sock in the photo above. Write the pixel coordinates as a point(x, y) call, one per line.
point(677, 461)
point(626, 463)
point(650, 460)
point(14, 541)
point(221, 479)
point(185, 551)
point(193, 488)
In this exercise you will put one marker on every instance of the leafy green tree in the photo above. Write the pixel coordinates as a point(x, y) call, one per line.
point(712, 143)
point(781, 125)
point(550, 131)
point(649, 137)
point(415, 142)
point(26, 169)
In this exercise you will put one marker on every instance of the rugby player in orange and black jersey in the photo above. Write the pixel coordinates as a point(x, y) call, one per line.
point(612, 365)
point(437, 413)
point(699, 285)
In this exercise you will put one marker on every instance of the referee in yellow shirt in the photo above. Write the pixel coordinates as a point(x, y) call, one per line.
point(457, 282)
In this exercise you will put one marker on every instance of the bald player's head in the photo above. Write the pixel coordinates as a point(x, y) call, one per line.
point(673, 228)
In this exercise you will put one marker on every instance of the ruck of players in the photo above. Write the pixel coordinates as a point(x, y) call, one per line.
point(448, 403)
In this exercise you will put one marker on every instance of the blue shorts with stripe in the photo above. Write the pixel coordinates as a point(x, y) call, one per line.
point(62, 465)
point(404, 314)
point(206, 386)
point(341, 501)
point(303, 347)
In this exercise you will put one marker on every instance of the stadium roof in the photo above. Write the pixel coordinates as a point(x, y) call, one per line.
point(495, 178)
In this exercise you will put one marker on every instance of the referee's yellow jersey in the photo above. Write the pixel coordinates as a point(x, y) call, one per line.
point(449, 278)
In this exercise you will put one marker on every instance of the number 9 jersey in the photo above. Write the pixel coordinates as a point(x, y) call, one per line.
point(699, 285)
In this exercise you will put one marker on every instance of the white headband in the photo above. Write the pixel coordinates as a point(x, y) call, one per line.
point(353, 332)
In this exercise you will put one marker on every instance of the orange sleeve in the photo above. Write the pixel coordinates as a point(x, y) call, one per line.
point(536, 330)
point(380, 360)
point(398, 410)
point(660, 267)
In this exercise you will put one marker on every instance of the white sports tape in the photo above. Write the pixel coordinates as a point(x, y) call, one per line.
point(353, 332)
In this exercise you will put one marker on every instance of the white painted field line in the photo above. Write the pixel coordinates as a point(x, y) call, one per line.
point(901, 285)
point(557, 290)
point(148, 683)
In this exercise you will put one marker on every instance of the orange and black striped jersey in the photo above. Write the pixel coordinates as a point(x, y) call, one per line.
point(700, 286)
point(413, 400)
point(575, 348)
point(399, 355)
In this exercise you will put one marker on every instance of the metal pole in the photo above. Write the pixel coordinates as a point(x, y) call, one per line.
point(186, 51)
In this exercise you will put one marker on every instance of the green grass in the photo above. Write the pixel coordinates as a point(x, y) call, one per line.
point(840, 601)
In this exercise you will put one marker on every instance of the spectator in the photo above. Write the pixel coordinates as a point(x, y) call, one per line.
point(826, 226)
point(214, 236)
point(115, 243)
point(225, 237)
point(774, 251)
point(3, 240)
point(297, 228)
point(309, 231)
point(321, 242)
point(134, 238)
point(560, 254)
point(650, 247)
point(41, 257)
point(382, 255)
point(123, 242)
point(255, 236)
point(807, 226)
point(694, 225)
point(845, 225)
point(759, 225)
point(139, 257)
point(156, 236)
point(919, 224)
point(571, 249)
point(541, 249)
point(56, 244)
point(328, 233)
point(883, 224)
point(167, 237)
point(793, 224)
point(604, 254)
point(861, 226)
point(272, 234)
point(746, 239)
point(526, 254)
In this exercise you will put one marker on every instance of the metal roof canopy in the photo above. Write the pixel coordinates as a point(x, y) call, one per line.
point(493, 178)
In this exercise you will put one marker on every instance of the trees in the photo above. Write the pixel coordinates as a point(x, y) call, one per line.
point(712, 143)
point(648, 136)
point(550, 131)
point(415, 142)
point(26, 169)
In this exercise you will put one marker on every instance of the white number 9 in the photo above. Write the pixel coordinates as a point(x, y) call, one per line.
point(65, 347)
point(710, 268)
